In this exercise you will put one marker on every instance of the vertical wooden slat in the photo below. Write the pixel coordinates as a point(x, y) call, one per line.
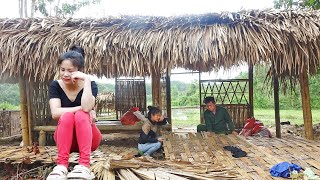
point(156, 88)
point(306, 107)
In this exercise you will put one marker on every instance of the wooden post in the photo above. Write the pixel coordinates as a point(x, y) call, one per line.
point(306, 107)
point(42, 138)
point(201, 99)
point(276, 103)
point(168, 98)
point(156, 88)
point(116, 91)
point(251, 112)
point(28, 86)
point(24, 111)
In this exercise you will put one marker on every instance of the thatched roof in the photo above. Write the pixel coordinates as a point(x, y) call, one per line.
point(137, 44)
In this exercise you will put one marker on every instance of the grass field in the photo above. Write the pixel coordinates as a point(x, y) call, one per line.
point(191, 117)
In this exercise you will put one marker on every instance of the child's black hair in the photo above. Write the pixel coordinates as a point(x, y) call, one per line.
point(153, 111)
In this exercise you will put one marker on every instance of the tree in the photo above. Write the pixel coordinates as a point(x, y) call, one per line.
point(61, 9)
point(287, 4)
point(33, 5)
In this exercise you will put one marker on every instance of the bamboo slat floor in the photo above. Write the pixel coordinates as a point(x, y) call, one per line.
point(262, 153)
point(198, 148)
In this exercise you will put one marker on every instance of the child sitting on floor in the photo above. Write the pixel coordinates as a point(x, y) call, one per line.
point(148, 141)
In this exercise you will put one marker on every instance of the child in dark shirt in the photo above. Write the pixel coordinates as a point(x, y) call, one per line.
point(148, 140)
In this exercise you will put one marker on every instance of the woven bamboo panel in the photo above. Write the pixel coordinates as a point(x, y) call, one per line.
point(263, 153)
point(40, 111)
point(130, 93)
point(188, 147)
point(292, 149)
point(227, 91)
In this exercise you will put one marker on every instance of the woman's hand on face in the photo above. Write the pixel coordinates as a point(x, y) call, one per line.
point(78, 75)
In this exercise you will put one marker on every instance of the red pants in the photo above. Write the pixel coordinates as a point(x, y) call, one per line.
point(75, 133)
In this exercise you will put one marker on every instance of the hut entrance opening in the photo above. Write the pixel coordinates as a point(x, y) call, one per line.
point(233, 94)
point(130, 92)
point(229, 93)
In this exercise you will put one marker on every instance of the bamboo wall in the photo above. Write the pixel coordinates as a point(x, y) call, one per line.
point(130, 93)
point(9, 123)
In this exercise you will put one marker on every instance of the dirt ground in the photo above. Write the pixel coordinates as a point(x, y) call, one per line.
point(295, 130)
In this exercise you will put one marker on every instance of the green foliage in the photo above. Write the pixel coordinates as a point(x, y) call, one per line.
point(263, 92)
point(103, 88)
point(314, 4)
point(8, 106)
point(45, 7)
point(287, 4)
point(184, 94)
point(9, 94)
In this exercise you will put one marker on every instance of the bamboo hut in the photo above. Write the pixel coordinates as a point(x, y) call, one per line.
point(105, 103)
point(151, 46)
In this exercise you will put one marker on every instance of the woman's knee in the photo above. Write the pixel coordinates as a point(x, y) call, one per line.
point(81, 116)
point(67, 118)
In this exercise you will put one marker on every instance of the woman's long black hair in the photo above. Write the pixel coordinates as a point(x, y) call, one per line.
point(75, 55)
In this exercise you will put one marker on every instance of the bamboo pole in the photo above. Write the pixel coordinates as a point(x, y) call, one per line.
point(200, 98)
point(116, 106)
point(168, 98)
point(24, 111)
point(28, 86)
point(251, 112)
point(156, 88)
point(276, 103)
point(306, 107)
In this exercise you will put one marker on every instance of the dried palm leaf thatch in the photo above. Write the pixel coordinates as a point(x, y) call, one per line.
point(147, 168)
point(134, 45)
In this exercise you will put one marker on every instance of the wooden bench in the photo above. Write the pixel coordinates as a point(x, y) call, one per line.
point(104, 127)
point(239, 113)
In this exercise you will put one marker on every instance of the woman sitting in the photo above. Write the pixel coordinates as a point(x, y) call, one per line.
point(148, 141)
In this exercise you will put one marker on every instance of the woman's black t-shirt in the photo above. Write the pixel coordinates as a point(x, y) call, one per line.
point(55, 91)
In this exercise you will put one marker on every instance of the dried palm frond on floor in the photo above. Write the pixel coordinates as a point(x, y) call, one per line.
point(148, 168)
